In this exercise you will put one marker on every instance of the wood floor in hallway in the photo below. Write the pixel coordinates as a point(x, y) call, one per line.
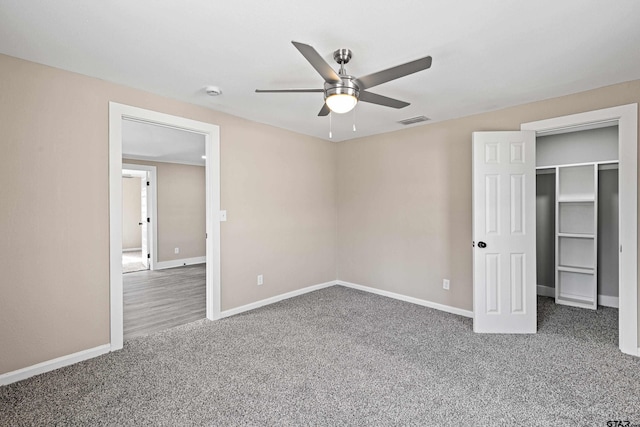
point(162, 299)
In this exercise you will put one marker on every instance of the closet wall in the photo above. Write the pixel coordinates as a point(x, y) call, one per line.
point(593, 145)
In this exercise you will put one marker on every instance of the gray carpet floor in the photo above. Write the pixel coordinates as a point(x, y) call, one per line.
point(344, 357)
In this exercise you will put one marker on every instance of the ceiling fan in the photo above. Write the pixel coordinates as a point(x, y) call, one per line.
point(342, 91)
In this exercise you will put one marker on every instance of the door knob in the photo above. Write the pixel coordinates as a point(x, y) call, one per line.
point(139, 223)
point(482, 245)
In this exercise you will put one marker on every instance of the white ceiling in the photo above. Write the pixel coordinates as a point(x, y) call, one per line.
point(145, 141)
point(487, 54)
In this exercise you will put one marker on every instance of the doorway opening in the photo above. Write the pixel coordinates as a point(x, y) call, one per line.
point(119, 116)
point(173, 293)
point(135, 221)
point(577, 230)
point(576, 209)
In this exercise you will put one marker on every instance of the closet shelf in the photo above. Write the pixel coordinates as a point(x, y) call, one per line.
point(581, 270)
point(578, 235)
point(576, 199)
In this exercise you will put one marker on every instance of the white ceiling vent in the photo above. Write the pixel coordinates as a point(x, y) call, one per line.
point(413, 120)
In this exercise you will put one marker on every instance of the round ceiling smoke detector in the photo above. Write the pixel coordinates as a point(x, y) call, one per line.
point(213, 90)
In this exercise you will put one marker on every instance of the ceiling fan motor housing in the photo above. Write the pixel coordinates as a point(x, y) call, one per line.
point(345, 87)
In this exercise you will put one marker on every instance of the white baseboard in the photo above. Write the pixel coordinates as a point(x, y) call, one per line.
point(161, 265)
point(50, 365)
point(424, 303)
point(603, 300)
point(608, 301)
point(275, 299)
point(132, 250)
point(546, 291)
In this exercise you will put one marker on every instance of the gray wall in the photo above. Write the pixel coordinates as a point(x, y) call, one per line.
point(595, 145)
point(608, 232)
point(546, 228)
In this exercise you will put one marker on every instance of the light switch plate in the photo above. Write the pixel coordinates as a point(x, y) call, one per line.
point(223, 216)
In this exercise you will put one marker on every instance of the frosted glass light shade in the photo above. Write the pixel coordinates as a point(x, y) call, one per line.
point(341, 103)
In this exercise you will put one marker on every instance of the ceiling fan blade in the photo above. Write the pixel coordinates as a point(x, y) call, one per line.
point(374, 98)
point(316, 61)
point(393, 73)
point(324, 111)
point(288, 90)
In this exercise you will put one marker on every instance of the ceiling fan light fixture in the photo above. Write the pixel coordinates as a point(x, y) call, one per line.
point(341, 97)
point(341, 103)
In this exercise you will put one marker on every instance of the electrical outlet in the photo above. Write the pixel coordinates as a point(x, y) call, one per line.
point(445, 284)
point(260, 280)
point(176, 251)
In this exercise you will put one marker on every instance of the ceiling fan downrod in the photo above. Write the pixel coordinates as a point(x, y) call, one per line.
point(342, 56)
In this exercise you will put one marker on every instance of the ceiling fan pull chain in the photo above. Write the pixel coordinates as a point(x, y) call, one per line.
point(354, 119)
point(330, 126)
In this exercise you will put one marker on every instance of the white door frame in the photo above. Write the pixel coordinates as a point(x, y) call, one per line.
point(152, 209)
point(627, 118)
point(118, 112)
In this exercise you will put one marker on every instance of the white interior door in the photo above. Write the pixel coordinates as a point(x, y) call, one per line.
point(143, 220)
point(504, 232)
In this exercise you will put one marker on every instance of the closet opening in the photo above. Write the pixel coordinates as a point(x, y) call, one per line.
point(577, 219)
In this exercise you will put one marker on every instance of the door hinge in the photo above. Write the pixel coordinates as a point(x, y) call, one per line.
point(148, 219)
point(148, 256)
point(147, 183)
